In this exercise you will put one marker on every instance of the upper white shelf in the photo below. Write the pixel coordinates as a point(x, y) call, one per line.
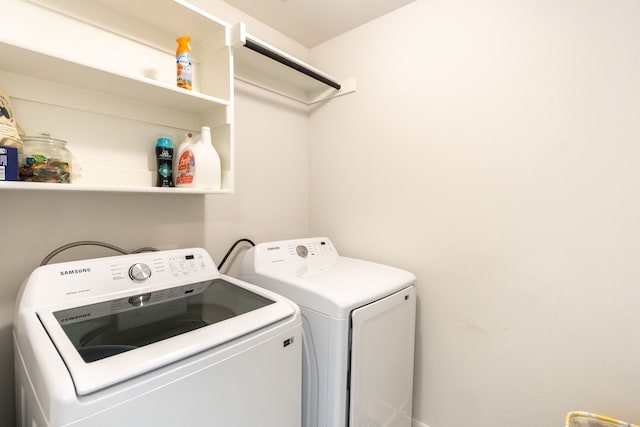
point(264, 65)
point(152, 26)
point(146, 22)
point(42, 66)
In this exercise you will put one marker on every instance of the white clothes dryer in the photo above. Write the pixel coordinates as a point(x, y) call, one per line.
point(358, 330)
point(154, 339)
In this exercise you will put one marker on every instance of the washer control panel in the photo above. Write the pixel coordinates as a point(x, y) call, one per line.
point(110, 275)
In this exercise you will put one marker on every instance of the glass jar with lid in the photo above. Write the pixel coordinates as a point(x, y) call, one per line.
point(45, 159)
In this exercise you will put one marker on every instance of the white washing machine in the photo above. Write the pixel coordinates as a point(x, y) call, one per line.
point(154, 339)
point(359, 327)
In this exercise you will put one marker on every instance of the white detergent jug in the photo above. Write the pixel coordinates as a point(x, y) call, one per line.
point(198, 163)
point(211, 175)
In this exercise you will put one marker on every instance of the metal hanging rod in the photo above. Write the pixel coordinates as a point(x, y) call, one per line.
point(263, 50)
point(240, 38)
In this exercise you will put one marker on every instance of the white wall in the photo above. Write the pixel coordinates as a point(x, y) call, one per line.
point(492, 148)
point(271, 196)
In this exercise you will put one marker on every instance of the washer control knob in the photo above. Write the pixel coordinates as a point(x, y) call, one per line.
point(139, 272)
point(302, 251)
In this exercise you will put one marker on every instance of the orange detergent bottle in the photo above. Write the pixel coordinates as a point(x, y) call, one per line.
point(183, 62)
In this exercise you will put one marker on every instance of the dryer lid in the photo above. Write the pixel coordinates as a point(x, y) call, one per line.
point(348, 284)
point(318, 278)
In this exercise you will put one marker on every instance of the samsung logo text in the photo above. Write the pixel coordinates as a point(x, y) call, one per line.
point(75, 271)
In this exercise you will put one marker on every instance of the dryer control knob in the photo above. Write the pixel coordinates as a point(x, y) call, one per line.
point(302, 251)
point(139, 272)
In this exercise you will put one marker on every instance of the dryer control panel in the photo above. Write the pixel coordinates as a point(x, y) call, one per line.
point(290, 256)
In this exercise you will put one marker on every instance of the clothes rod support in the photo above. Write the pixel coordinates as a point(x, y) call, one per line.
point(285, 61)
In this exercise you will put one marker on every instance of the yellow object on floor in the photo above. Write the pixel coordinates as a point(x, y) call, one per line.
point(587, 419)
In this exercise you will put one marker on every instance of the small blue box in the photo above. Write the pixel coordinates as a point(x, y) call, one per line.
point(8, 163)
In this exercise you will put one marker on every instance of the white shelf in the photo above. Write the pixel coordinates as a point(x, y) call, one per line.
point(41, 186)
point(39, 65)
point(106, 84)
point(148, 21)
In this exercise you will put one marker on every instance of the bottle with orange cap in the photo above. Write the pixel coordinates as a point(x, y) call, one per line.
point(183, 61)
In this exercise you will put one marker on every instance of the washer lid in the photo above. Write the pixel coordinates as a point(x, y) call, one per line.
point(110, 341)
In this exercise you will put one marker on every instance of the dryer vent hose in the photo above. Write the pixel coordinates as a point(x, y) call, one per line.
point(231, 250)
